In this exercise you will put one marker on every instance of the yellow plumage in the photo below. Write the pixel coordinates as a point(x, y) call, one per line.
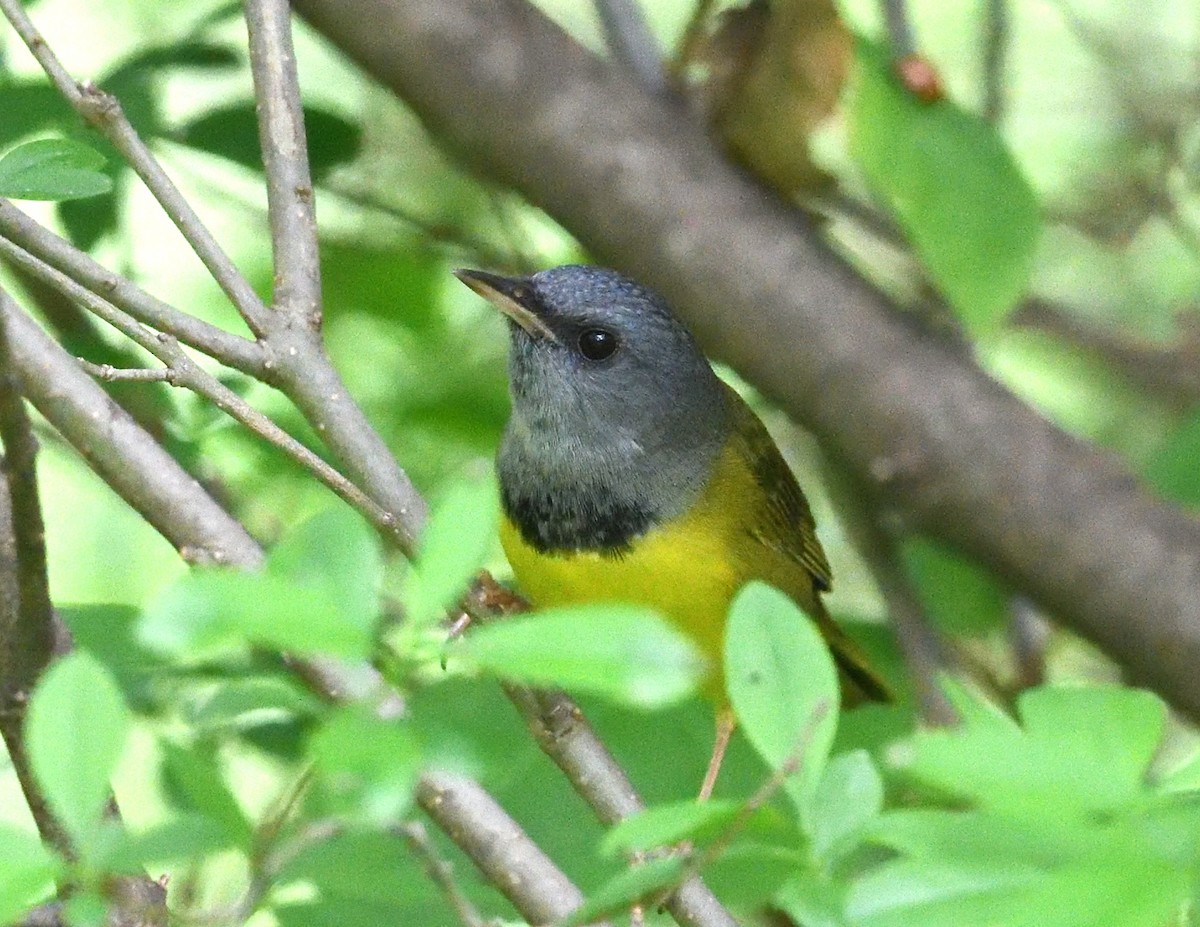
point(750, 522)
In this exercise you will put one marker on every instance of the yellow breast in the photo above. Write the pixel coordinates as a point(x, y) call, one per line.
point(688, 569)
point(681, 569)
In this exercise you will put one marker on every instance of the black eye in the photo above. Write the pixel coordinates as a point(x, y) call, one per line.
point(597, 344)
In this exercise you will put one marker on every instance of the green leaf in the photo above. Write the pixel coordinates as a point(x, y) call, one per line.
point(623, 652)
point(663, 825)
point(384, 871)
point(458, 538)
point(371, 762)
point(1131, 891)
point(977, 839)
point(780, 675)
point(319, 594)
point(973, 707)
point(232, 132)
point(813, 901)
point(193, 780)
point(909, 893)
point(244, 703)
point(89, 220)
point(198, 54)
point(953, 187)
point(52, 169)
point(187, 838)
point(636, 884)
point(27, 871)
point(337, 553)
point(206, 613)
point(29, 107)
point(1079, 751)
point(849, 795)
point(1172, 471)
point(76, 731)
point(108, 633)
point(1182, 777)
point(957, 593)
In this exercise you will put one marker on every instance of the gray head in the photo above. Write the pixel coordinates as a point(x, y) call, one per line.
point(617, 416)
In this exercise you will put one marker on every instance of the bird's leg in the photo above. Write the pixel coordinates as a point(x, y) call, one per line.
point(725, 725)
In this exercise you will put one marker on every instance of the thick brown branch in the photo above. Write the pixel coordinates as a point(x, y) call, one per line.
point(951, 451)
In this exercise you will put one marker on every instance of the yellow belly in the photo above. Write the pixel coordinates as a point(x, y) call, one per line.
point(689, 569)
point(683, 570)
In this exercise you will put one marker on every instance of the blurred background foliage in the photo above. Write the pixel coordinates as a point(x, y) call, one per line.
point(1083, 301)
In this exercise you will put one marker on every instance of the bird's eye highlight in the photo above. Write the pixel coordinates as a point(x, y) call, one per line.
point(597, 344)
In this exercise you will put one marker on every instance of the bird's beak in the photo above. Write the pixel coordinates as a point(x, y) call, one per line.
point(512, 296)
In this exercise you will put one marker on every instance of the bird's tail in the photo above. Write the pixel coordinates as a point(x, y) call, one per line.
point(861, 682)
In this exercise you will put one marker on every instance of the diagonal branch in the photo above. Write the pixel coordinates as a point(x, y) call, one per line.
point(949, 450)
point(231, 350)
point(182, 371)
point(630, 40)
point(121, 452)
point(103, 112)
point(498, 847)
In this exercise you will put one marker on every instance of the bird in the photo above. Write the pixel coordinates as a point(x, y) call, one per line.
point(629, 471)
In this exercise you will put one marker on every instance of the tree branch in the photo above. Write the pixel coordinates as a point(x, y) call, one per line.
point(26, 612)
point(899, 28)
point(285, 158)
point(925, 654)
point(949, 450)
point(565, 735)
point(103, 112)
point(632, 43)
point(497, 845)
point(182, 371)
point(440, 874)
point(124, 455)
point(231, 350)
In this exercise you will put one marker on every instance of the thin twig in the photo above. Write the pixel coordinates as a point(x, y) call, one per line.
point(121, 452)
point(565, 735)
point(451, 235)
point(1170, 369)
point(232, 350)
point(924, 653)
point(290, 204)
point(462, 808)
point(110, 374)
point(693, 38)
point(1027, 634)
point(186, 373)
point(298, 357)
point(995, 44)
point(27, 620)
point(764, 793)
point(440, 873)
point(632, 43)
point(104, 112)
point(899, 28)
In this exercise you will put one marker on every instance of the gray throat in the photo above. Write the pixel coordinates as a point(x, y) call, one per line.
point(592, 489)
